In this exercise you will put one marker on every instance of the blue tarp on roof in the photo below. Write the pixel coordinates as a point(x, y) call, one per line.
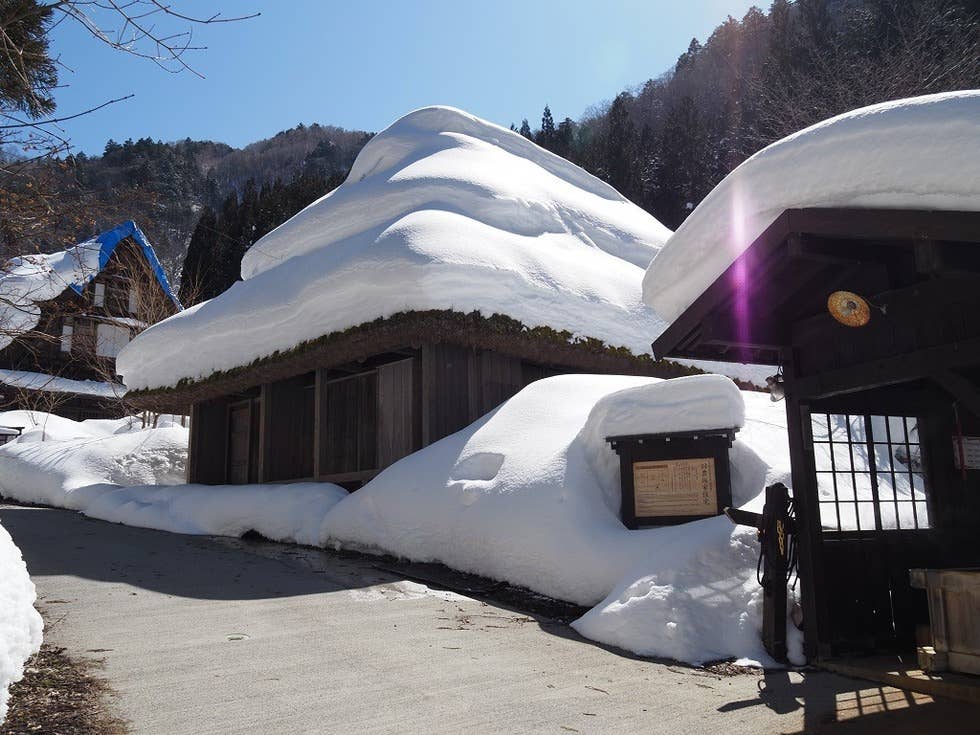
point(107, 246)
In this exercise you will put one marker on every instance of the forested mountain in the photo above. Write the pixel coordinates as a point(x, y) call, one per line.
point(664, 144)
point(222, 235)
point(165, 187)
point(755, 80)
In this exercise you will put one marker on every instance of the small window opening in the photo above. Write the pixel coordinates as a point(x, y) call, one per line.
point(869, 472)
point(66, 333)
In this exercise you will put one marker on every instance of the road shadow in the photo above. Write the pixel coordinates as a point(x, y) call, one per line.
point(832, 704)
point(60, 542)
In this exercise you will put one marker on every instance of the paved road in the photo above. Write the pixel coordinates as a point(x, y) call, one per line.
point(201, 635)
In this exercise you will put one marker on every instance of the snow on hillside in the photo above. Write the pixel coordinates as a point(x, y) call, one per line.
point(542, 514)
point(442, 210)
point(20, 623)
point(921, 153)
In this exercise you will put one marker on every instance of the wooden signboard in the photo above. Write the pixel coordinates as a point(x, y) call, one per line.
point(673, 478)
point(675, 487)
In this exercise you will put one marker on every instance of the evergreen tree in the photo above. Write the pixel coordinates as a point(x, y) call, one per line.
point(564, 138)
point(196, 278)
point(28, 74)
point(526, 130)
point(220, 240)
point(621, 147)
point(546, 137)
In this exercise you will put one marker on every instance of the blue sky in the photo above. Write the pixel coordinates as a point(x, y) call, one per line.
point(362, 65)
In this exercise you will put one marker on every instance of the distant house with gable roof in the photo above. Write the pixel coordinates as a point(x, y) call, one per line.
point(64, 317)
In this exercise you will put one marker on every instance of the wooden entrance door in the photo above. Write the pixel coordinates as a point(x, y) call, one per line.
point(240, 458)
point(875, 512)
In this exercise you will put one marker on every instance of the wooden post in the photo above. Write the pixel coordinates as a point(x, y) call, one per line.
point(776, 544)
point(265, 443)
point(190, 473)
point(319, 416)
point(815, 609)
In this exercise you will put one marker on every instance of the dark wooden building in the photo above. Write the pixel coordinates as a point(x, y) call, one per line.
point(346, 406)
point(65, 364)
point(884, 418)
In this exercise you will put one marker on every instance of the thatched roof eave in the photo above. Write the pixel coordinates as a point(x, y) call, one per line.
point(498, 333)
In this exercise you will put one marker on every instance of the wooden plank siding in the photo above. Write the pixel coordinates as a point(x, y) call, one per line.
point(345, 425)
point(209, 437)
point(445, 390)
point(348, 424)
point(288, 449)
point(397, 435)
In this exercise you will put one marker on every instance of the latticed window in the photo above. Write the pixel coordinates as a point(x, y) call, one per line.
point(869, 472)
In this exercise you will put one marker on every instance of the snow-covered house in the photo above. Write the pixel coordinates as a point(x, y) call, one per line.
point(457, 263)
point(847, 256)
point(65, 316)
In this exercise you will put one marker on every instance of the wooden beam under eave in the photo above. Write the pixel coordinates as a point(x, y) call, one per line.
point(963, 390)
point(946, 259)
point(888, 371)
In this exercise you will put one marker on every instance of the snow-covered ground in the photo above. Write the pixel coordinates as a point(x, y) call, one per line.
point(544, 513)
point(920, 153)
point(541, 513)
point(441, 211)
point(20, 624)
point(116, 470)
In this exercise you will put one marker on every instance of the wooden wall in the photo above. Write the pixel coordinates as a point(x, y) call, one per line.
point(927, 314)
point(209, 436)
point(346, 425)
point(399, 419)
point(288, 429)
point(460, 385)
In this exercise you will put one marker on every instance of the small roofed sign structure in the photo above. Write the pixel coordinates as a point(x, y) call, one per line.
point(673, 478)
point(882, 381)
point(456, 264)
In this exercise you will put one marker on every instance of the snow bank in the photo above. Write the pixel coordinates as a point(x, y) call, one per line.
point(920, 153)
point(20, 623)
point(27, 380)
point(543, 512)
point(41, 426)
point(441, 211)
point(528, 494)
point(50, 472)
point(108, 469)
point(290, 513)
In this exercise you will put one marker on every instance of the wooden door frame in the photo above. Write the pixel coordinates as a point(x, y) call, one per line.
point(232, 405)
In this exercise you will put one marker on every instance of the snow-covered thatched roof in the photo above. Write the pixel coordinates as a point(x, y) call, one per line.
point(442, 211)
